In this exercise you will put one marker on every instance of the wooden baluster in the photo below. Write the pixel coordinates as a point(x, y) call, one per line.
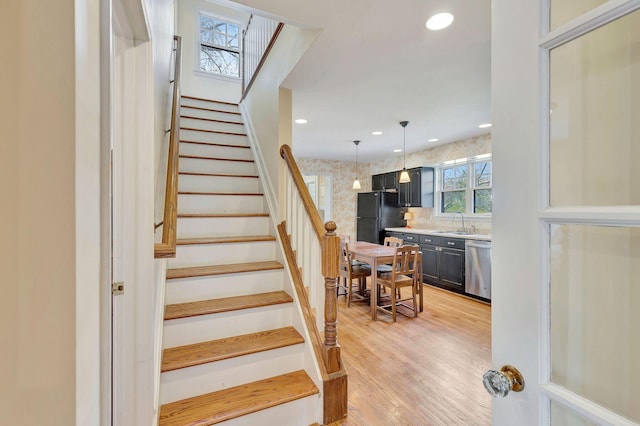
point(330, 271)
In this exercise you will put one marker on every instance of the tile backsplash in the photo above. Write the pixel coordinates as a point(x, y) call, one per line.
point(343, 173)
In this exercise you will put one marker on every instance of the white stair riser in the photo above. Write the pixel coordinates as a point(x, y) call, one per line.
point(215, 376)
point(220, 204)
point(222, 254)
point(197, 165)
point(222, 227)
point(208, 104)
point(194, 135)
point(221, 126)
point(215, 151)
point(185, 331)
point(213, 115)
point(183, 290)
point(304, 411)
point(218, 183)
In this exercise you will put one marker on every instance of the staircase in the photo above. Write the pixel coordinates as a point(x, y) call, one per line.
point(233, 352)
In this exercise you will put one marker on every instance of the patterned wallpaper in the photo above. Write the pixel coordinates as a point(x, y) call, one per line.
point(344, 198)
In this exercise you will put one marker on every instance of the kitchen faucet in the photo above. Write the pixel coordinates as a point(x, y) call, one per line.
point(462, 217)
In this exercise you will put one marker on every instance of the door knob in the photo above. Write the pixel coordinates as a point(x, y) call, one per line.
point(499, 383)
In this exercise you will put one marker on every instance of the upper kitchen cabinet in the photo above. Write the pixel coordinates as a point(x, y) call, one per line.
point(418, 192)
point(385, 182)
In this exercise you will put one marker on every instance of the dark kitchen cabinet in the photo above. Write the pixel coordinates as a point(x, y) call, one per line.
point(385, 182)
point(443, 262)
point(452, 267)
point(419, 191)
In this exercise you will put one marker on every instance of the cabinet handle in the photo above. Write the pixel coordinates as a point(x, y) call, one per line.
point(450, 243)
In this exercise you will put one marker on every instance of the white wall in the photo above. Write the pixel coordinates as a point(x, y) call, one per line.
point(40, 252)
point(194, 82)
point(161, 20)
point(267, 106)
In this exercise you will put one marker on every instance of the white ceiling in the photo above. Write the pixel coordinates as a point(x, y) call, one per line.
point(375, 64)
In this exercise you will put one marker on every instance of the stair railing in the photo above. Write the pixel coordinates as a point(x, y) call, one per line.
point(257, 40)
point(312, 253)
point(167, 248)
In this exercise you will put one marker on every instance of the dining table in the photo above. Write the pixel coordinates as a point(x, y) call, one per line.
point(377, 254)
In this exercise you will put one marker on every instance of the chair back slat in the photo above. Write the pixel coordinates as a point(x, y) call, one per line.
point(405, 260)
point(392, 241)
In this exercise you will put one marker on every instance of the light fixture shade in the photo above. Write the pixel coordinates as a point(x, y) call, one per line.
point(404, 177)
point(356, 184)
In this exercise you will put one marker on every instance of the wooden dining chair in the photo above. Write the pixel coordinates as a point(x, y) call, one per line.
point(350, 271)
point(404, 273)
point(390, 242)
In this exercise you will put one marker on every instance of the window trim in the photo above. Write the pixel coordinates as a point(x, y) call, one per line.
point(198, 45)
point(469, 189)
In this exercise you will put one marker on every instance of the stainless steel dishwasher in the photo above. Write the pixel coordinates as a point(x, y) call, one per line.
point(478, 268)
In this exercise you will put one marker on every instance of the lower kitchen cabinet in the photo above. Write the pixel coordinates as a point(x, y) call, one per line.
point(452, 268)
point(443, 259)
point(443, 262)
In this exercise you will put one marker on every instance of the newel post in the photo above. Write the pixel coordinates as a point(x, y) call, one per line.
point(330, 271)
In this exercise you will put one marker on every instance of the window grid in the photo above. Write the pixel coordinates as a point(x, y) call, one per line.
point(465, 188)
point(219, 46)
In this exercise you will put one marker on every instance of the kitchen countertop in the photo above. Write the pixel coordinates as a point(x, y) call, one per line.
point(442, 233)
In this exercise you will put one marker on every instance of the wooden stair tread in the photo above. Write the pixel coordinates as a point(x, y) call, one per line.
point(233, 268)
point(216, 407)
point(230, 347)
point(193, 117)
point(220, 193)
point(213, 131)
point(218, 174)
point(223, 215)
point(226, 304)
point(226, 145)
point(207, 100)
point(210, 109)
point(202, 157)
point(223, 240)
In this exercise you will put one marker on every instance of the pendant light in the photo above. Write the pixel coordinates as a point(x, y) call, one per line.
point(356, 182)
point(404, 175)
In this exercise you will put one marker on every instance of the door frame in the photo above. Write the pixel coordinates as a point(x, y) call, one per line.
point(130, 130)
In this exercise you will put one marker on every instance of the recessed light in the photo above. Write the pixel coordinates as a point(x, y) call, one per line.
point(301, 121)
point(439, 21)
point(485, 125)
point(432, 140)
point(397, 150)
point(376, 133)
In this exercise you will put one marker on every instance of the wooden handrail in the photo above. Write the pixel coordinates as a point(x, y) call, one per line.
point(272, 41)
point(307, 201)
point(167, 248)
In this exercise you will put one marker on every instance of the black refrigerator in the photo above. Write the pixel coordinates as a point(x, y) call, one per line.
point(377, 211)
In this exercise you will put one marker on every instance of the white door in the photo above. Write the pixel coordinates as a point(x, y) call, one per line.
point(566, 220)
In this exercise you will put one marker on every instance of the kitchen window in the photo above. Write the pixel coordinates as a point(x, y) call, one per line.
point(219, 46)
point(464, 186)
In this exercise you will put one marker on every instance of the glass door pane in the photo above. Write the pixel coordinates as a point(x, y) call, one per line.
point(594, 117)
point(562, 11)
point(594, 295)
point(561, 416)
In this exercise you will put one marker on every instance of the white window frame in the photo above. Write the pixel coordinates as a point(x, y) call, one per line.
point(469, 190)
point(199, 43)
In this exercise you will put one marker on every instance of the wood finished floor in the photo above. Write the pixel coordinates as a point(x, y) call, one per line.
point(418, 371)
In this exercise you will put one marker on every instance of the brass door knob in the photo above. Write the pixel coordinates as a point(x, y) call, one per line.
point(500, 383)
